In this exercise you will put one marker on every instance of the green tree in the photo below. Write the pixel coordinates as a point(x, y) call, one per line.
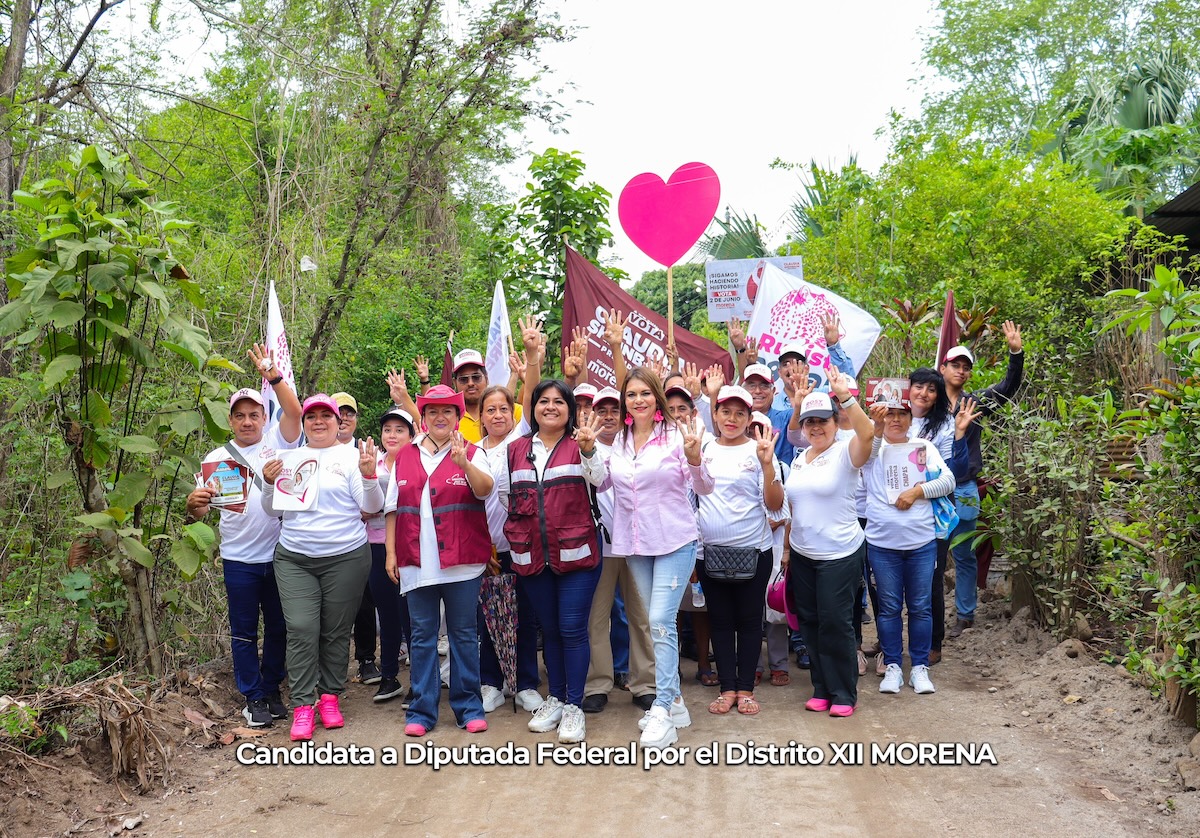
point(691, 301)
point(739, 237)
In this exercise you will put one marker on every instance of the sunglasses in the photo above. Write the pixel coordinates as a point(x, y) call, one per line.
point(473, 378)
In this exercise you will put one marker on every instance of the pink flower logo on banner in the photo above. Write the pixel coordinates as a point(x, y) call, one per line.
point(796, 318)
point(665, 220)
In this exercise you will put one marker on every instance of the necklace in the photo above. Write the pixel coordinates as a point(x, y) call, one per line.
point(436, 448)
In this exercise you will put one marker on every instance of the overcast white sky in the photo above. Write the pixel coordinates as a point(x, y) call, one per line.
point(731, 84)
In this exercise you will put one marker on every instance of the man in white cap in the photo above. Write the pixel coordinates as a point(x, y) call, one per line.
point(471, 379)
point(956, 368)
point(248, 540)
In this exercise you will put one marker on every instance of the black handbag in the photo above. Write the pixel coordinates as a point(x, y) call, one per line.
point(731, 564)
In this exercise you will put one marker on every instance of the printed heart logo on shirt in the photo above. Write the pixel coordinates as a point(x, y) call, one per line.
point(666, 219)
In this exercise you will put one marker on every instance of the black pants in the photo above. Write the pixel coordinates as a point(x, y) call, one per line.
point(364, 627)
point(735, 619)
point(823, 592)
point(938, 603)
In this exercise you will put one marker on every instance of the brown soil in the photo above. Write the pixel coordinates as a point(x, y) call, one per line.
point(1080, 749)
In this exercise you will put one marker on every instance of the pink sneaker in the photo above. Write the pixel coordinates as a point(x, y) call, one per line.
point(302, 723)
point(841, 710)
point(476, 726)
point(817, 705)
point(414, 729)
point(331, 716)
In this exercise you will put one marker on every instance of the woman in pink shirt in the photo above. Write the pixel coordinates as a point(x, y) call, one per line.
point(653, 463)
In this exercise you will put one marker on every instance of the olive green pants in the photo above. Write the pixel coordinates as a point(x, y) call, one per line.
point(320, 597)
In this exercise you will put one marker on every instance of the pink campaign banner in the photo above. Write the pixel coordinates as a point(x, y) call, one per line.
point(587, 299)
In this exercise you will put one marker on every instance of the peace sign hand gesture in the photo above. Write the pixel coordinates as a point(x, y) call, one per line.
point(765, 447)
point(368, 456)
point(691, 441)
point(585, 434)
point(458, 450)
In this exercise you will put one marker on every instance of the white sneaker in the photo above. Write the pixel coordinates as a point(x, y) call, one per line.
point(530, 700)
point(659, 731)
point(492, 698)
point(893, 679)
point(445, 673)
point(572, 728)
point(404, 654)
point(547, 716)
point(680, 716)
point(443, 646)
point(919, 678)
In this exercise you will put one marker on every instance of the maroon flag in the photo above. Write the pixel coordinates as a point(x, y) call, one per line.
point(589, 295)
point(948, 336)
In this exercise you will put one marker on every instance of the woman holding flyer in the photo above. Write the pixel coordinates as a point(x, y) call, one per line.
point(438, 546)
point(322, 560)
point(827, 544)
point(901, 477)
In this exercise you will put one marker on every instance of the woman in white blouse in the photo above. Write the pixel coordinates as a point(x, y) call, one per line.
point(734, 517)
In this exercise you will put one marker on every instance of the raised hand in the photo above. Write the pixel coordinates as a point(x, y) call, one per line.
point(714, 377)
point(737, 334)
point(614, 330)
point(691, 379)
point(751, 351)
point(263, 360)
point(672, 357)
point(838, 384)
point(531, 333)
point(458, 450)
point(801, 387)
point(585, 434)
point(691, 441)
point(764, 448)
point(397, 387)
point(422, 365)
point(575, 359)
point(657, 367)
point(368, 457)
point(1012, 336)
point(832, 325)
point(516, 365)
point(968, 412)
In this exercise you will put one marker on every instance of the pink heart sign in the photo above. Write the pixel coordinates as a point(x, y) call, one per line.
point(665, 220)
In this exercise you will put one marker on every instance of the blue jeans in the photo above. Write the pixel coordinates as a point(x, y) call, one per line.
point(527, 628)
point(563, 603)
point(251, 588)
point(661, 582)
point(966, 504)
point(904, 578)
point(618, 633)
point(424, 605)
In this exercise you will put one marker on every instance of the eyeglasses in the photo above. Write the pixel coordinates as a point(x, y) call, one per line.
point(473, 378)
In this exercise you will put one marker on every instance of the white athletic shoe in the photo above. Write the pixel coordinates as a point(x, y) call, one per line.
point(530, 700)
point(443, 646)
point(893, 679)
point(492, 698)
point(680, 716)
point(919, 678)
point(659, 731)
point(547, 716)
point(571, 728)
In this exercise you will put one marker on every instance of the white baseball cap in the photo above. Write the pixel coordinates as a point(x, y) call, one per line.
point(246, 393)
point(467, 357)
point(585, 391)
point(760, 370)
point(816, 405)
point(793, 349)
point(959, 352)
point(732, 391)
point(605, 393)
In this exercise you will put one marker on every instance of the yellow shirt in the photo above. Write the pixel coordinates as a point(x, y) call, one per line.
point(471, 430)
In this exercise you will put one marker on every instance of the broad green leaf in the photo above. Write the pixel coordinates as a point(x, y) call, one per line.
point(60, 230)
point(59, 370)
point(130, 489)
point(178, 224)
point(202, 535)
point(152, 289)
point(139, 350)
point(187, 421)
point(138, 552)
point(13, 316)
point(97, 520)
point(33, 202)
point(223, 363)
point(193, 293)
point(66, 313)
point(105, 276)
point(187, 558)
point(185, 353)
point(137, 444)
point(96, 410)
point(60, 479)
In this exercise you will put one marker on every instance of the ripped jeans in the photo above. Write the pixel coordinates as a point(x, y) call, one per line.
point(662, 582)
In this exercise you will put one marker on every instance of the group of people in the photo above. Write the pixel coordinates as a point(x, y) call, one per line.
point(591, 515)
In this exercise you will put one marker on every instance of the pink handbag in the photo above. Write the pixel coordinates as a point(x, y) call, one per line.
point(777, 599)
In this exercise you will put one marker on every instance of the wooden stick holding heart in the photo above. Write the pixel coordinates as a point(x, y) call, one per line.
point(665, 220)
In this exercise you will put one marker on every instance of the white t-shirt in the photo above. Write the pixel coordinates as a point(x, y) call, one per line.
point(251, 536)
point(887, 526)
point(497, 512)
point(430, 571)
point(821, 495)
point(734, 514)
point(943, 440)
point(334, 524)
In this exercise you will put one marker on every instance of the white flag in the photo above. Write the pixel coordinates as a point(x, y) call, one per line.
point(499, 336)
point(277, 345)
point(788, 311)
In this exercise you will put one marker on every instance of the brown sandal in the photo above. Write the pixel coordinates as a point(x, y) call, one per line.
point(780, 678)
point(723, 703)
point(747, 705)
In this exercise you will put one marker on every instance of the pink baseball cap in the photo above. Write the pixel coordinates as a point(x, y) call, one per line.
point(319, 400)
point(247, 393)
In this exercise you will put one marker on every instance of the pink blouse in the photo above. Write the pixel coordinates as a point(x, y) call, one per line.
point(653, 512)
